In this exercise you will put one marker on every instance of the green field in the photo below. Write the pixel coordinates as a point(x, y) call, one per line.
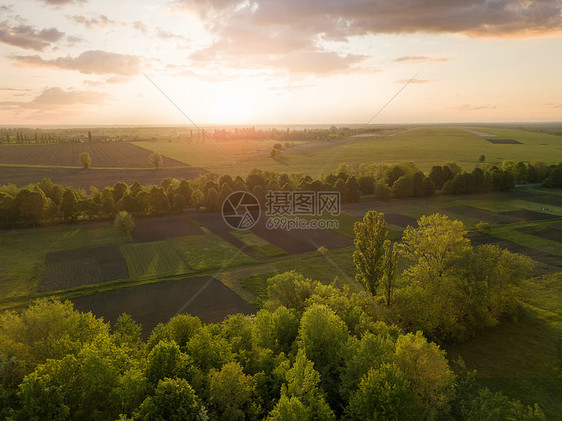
point(23, 252)
point(521, 358)
point(262, 247)
point(159, 258)
point(425, 146)
point(204, 252)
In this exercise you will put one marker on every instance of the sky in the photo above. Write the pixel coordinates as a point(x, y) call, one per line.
point(136, 62)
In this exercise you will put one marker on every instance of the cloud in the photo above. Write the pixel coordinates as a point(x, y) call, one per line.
point(13, 89)
point(140, 26)
point(420, 59)
point(553, 105)
point(54, 98)
point(27, 36)
point(90, 62)
point(101, 21)
point(468, 107)
point(161, 33)
point(61, 2)
point(256, 31)
point(358, 17)
point(404, 81)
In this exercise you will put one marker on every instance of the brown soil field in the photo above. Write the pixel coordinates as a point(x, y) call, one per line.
point(529, 215)
point(483, 215)
point(301, 241)
point(542, 198)
point(293, 242)
point(544, 263)
point(151, 304)
point(548, 233)
point(86, 266)
point(103, 154)
point(400, 220)
point(504, 141)
point(214, 223)
point(100, 178)
point(156, 229)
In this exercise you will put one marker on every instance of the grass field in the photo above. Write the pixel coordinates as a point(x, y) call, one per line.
point(204, 252)
point(208, 155)
point(521, 358)
point(23, 252)
point(106, 154)
point(425, 146)
point(258, 244)
point(159, 258)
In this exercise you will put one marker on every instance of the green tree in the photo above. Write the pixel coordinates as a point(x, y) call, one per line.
point(303, 382)
point(30, 205)
point(166, 360)
point(402, 188)
point(322, 337)
point(155, 160)
point(490, 406)
point(85, 160)
point(173, 400)
point(352, 188)
point(382, 191)
point(69, 204)
point(383, 394)
point(390, 262)
point(231, 392)
point(89, 136)
point(425, 367)
point(289, 409)
point(212, 203)
point(434, 245)
point(370, 234)
point(124, 222)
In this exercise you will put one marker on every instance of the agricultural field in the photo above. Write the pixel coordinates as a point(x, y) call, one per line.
point(97, 177)
point(103, 155)
point(424, 145)
point(111, 162)
point(215, 156)
point(151, 304)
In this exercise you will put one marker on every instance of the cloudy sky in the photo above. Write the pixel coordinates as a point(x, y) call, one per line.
point(279, 62)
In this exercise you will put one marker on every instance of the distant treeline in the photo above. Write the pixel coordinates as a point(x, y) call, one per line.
point(18, 137)
point(48, 203)
point(251, 133)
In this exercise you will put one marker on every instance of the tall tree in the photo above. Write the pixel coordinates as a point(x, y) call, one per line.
point(370, 234)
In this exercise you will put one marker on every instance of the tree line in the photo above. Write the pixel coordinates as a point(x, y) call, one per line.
point(48, 203)
point(314, 352)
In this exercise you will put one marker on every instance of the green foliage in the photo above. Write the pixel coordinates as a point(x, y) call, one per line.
point(231, 392)
point(124, 222)
point(384, 394)
point(370, 234)
point(174, 400)
point(455, 290)
point(85, 160)
point(489, 406)
point(155, 160)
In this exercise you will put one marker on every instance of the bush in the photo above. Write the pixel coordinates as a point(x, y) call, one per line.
point(85, 160)
point(124, 222)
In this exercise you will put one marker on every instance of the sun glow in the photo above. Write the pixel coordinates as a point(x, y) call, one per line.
point(233, 109)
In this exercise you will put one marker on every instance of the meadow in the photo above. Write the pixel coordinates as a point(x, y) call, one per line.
point(424, 145)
